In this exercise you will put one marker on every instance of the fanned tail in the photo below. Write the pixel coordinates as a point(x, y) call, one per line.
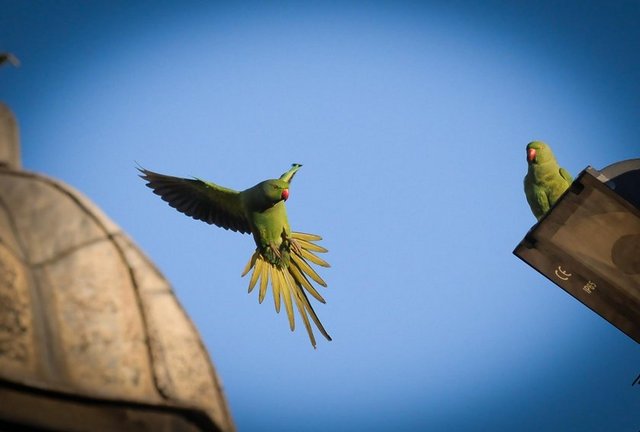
point(290, 281)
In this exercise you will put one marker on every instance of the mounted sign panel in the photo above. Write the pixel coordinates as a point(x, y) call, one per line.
point(589, 244)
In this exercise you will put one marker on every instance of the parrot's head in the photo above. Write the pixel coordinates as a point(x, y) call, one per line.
point(538, 152)
point(280, 187)
point(271, 192)
point(275, 190)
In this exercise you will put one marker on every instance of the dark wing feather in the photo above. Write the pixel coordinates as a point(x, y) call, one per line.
point(201, 200)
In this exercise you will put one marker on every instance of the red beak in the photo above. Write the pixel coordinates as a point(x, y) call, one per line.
point(285, 194)
point(531, 155)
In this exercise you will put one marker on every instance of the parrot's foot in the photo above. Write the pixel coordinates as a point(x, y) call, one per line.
point(285, 268)
point(275, 251)
point(290, 244)
point(294, 246)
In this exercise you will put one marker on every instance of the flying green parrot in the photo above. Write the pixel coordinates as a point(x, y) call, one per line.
point(545, 181)
point(281, 255)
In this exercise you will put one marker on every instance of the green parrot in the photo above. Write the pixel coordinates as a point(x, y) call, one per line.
point(281, 255)
point(545, 181)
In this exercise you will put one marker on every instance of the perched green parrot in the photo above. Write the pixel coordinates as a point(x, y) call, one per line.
point(281, 254)
point(545, 181)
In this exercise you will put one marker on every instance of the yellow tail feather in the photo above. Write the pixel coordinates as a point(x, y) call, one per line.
point(256, 273)
point(305, 236)
point(291, 280)
point(301, 310)
point(302, 280)
point(276, 291)
point(306, 268)
point(250, 264)
point(264, 274)
point(310, 246)
point(286, 289)
point(313, 258)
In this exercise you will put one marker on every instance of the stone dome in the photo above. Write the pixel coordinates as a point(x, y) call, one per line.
point(92, 337)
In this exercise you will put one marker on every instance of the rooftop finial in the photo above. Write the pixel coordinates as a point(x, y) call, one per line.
point(9, 139)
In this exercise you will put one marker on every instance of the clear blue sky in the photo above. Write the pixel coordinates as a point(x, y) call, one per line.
point(411, 120)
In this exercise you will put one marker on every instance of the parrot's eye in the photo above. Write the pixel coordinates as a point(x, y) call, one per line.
point(285, 194)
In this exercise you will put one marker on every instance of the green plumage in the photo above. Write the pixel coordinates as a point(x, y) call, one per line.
point(281, 255)
point(545, 181)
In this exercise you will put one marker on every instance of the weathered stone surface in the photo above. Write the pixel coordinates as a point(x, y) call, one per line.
point(7, 232)
point(16, 321)
point(88, 325)
point(98, 321)
point(46, 207)
point(181, 365)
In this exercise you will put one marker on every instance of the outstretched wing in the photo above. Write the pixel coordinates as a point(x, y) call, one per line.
point(201, 200)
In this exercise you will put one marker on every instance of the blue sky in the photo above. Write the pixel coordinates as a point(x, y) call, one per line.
point(410, 119)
